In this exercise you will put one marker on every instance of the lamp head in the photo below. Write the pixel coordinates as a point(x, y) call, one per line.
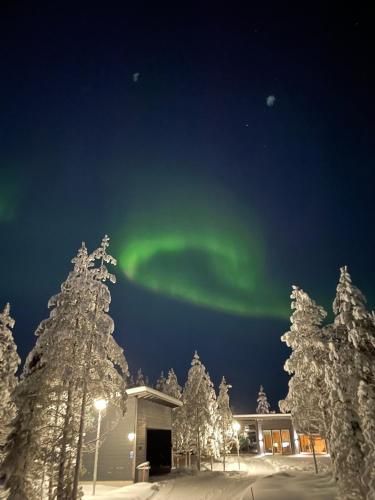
point(131, 436)
point(100, 404)
point(236, 425)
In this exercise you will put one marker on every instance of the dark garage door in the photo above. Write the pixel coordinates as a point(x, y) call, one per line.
point(159, 446)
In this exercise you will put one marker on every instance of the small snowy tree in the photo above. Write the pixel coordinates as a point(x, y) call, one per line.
point(130, 380)
point(160, 383)
point(224, 420)
point(263, 404)
point(9, 362)
point(172, 387)
point(140, 380)
point(199, 399)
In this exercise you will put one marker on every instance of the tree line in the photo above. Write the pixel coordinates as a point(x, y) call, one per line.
point(332, 388)
point(47, 411)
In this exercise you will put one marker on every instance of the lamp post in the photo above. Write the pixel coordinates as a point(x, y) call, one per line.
point(236, 427)
point(100, 405)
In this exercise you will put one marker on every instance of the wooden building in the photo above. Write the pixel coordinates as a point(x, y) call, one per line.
point(143, 434)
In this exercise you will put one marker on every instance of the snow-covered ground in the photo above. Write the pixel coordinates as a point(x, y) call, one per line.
point(260, 478)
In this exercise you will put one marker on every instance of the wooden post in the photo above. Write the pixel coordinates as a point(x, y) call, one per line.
point(314, 455)
point(224, 448)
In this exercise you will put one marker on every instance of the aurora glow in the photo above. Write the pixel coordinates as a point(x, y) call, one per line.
point(199, 249)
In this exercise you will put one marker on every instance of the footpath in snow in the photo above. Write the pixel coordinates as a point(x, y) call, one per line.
point(261, 478)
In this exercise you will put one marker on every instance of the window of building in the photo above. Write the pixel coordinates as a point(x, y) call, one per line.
point(277, 442)
point(285, 442)
point(267, 440)
point(306, 447)
point(276, 438)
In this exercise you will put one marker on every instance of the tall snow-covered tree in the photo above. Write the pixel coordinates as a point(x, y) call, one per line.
point(9, 362)
point(351, 379)
point(200, 404)
point(263, 404)
point(160, 383)
point(306, 399)
point(224, 420)
point(172, 388)
point(75, 361)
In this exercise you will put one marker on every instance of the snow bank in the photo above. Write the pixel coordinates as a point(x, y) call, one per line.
point(267, 478)
point(139, 491)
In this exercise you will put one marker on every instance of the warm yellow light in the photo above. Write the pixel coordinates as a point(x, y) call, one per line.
point(131, 436)
point(236, 426)
point(100, 404)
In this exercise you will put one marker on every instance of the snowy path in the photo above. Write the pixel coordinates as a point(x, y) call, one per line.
point(207, 486)
point(279, 478)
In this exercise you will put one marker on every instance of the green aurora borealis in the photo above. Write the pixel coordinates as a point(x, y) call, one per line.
point(198, 246)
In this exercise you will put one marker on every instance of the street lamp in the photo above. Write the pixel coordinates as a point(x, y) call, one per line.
point(131, 436)
point(236, 427)
point(100, 405)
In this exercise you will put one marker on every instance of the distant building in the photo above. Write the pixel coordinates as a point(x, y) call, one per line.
point(143, 434)
point(274, 433)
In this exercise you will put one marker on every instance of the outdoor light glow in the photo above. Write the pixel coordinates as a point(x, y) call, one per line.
point(100, 404)
point(197, 246)
point(131, 436)
point(236, 426)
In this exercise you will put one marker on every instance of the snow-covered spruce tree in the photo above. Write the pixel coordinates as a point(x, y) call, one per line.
point(351, 379)
point(263, 404)
point(130, 381)
point(75, 361)
point(9, 362)
point(200, 412)
point(224, 420)
point(307, 338)
point(160, 383)
point(172, 388)
point(140, 380)
point(105, 373)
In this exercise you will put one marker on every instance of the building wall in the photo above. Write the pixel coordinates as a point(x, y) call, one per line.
point(268, 423)
point(114, 460)
point(278, 424)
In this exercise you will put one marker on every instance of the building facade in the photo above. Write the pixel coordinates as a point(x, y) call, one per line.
point(274, 434)
point(143, 434)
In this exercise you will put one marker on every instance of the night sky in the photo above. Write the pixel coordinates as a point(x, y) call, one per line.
point(229, 154)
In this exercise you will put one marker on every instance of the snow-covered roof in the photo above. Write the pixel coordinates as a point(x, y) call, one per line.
point(264, 415)
point(145, 392)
